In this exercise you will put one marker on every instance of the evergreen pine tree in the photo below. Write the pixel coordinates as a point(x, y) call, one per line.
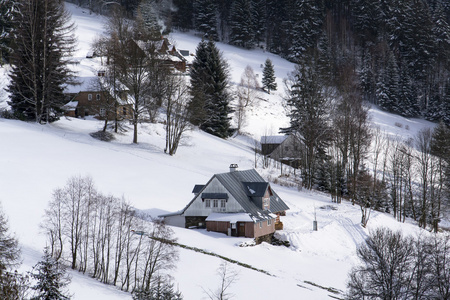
point(268, 80)
point(324, 59)
point(9, 255)
point(382, 93)
point(199, 77)
point(184, 14)
point(209, 106)
point(43, 38)
point(367, 77)
point(241, 24)
point(410, 33)
point(440, 147)
point(438, 107)
point(259, 20)
point(51, 279)
point(6, 12)
point(407, 100)
point(148, 15)
point(9, 250)
point(206, 18)
point(160, 289)
point(306, 23)
point(365, 14)
point(440, 143)
point(217, 104)
point(388, 99)
point(309, 115)
point(276, 15)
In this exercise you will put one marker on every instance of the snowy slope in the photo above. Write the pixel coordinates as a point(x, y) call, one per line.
point(36, 159)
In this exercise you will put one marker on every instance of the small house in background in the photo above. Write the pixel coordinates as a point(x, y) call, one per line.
point(89, 99)
point(270, 142)
point(90, 54)
point(168, 53)
point(283, 148)
point(237, 203)
point(188, 57)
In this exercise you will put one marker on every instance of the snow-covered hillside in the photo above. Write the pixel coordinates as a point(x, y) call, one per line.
point(36, 159)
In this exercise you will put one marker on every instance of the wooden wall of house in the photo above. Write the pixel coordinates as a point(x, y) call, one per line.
point(289, 147)
point(198, 207)
point(124, 112)
point(89, 107)
point(218, 226)
point(266, 149)
point(250, 230)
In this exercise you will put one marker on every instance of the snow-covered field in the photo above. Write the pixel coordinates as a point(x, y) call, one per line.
point(36, 159)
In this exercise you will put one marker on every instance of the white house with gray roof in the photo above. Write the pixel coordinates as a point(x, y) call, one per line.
point(238, 203)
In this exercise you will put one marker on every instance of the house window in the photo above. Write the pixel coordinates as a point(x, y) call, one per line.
point(102, 112)
point(216, 203)
point(269, 222)
point(207, 203)
point(266, 202)
point(222, 203)
point(97, 97)
point(260, 224)
point(89, 96)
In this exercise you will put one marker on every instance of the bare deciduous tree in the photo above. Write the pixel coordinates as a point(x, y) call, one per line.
point(228, 276)
point(386, 260)
point(248, 88)
point(99, 233)
point(394, 266)
point(246, 92)
point(137, 65)
point(177, 114)
point(53, 224)
point(425, 171)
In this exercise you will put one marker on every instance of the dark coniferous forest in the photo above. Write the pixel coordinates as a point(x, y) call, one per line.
point(399, 49)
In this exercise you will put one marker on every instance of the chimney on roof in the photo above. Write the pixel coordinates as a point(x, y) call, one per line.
point(233, 167)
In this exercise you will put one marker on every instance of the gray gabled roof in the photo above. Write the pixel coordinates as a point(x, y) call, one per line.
point(198, 188)
point(273, 139)
point(234, 183)
point(255, 189)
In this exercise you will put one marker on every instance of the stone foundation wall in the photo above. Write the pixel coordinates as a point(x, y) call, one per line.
point(264, 238)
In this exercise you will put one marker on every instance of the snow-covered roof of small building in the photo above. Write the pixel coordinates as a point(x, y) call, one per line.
point(70, 106)
point(85, 84)
point(273, 139)
point(230, 217)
